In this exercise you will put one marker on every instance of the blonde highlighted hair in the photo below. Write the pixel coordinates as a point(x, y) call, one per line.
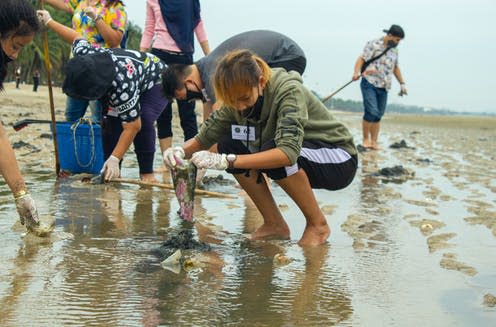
point(237, 73)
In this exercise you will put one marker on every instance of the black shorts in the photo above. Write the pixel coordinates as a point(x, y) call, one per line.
point(327, 166)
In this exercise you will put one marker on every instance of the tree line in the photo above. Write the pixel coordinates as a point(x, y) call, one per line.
point(357, 106)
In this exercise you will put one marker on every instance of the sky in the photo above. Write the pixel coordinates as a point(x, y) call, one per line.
point(447, 57)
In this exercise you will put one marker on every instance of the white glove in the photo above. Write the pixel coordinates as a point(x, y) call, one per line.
point(27, 210)
point(111, 168)
point(209, 160)
point(44, 16)
point(403, 90)
point(200, 173)
point(173, 156)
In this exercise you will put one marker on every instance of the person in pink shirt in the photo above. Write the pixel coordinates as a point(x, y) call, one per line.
point(170, 27)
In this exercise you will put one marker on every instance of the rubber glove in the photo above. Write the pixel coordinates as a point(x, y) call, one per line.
point(44, 16)
point(200, 173)
point(111, 168)
point(173, 156)
point(209, 160)
point(26, 207)
point(403, 90)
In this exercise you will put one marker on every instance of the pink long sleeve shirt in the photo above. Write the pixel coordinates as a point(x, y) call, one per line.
point(156, 30)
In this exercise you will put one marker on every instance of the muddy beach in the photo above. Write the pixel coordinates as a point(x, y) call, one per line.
point(413, 239)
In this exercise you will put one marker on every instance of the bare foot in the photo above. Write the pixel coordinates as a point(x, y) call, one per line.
point(148, 178)
point(375, 146)
point(161, 169)
point(366, 144)
point(315, 235)
point(281, 231)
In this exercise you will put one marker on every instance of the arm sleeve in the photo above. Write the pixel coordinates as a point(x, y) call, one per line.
point(116, 17)
point(368, 51)
point(215, 127)
point(146, 39)
point(129, 110)
point(201, 34)
point(72, 3)
point(82, 47)
point(292, 116)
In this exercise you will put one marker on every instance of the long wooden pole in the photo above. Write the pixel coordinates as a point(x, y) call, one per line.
point(48, 67)
point(335, 92)
point(170, 187)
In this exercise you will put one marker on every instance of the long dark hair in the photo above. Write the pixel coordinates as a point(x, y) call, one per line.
point(17, 18)
point(111, 3)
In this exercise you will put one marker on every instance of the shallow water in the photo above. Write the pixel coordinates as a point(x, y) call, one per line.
point(377, 269)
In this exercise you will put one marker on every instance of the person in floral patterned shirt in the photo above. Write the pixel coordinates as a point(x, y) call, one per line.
point(128, 82)
point(101, 22)
point(376, 80)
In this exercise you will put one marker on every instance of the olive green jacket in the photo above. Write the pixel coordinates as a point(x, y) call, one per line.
point(290, 114)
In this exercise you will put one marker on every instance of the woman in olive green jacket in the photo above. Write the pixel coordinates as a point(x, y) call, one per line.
point(270, 123)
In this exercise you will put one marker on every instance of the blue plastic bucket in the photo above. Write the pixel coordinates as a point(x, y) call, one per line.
point(80, 147)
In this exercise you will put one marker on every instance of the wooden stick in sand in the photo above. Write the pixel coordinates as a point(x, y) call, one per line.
point(48, 67)
point(170, 187)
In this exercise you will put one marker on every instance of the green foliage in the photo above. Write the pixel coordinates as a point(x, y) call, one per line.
point(134, 36)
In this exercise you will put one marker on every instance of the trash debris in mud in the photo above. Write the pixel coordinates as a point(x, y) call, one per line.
point(184, 180)
point(401, 145)
point(217, 180)
point(427, 226)
point(182, 240)
point(172, 252)
point(424, 160)
point(396, 174)
point(361, 148)
point(281, 260)
point(489, 300)
point(22, 144)
point(193, 263)
point(44, 228)
point(173, 262)
point(178, 261)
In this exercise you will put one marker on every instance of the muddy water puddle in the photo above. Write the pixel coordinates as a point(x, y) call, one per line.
point(400, 253)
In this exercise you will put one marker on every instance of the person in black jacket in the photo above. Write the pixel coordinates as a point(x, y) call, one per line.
point(189, 82)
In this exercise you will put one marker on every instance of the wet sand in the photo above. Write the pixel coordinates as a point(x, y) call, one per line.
point(404, 250)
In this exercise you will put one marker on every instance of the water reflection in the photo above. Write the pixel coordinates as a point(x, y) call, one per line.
point(25, 265)
point(95, 279)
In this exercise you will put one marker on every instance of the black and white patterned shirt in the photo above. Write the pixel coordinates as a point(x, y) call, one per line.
point(137, 72)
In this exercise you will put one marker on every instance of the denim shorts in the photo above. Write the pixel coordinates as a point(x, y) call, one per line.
point(374, 101)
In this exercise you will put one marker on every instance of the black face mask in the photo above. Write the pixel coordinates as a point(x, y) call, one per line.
point(255, 110)
point(392, 44)
point(194, 95)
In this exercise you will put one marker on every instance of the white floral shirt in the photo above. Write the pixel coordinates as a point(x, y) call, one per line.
point(137, 72)
point(384, 66)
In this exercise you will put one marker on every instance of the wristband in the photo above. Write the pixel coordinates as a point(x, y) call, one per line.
point(19, 194)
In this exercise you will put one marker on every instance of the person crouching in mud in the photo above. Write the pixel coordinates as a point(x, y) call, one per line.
point(270, 123)
point(18, 25)
point(128, 83)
